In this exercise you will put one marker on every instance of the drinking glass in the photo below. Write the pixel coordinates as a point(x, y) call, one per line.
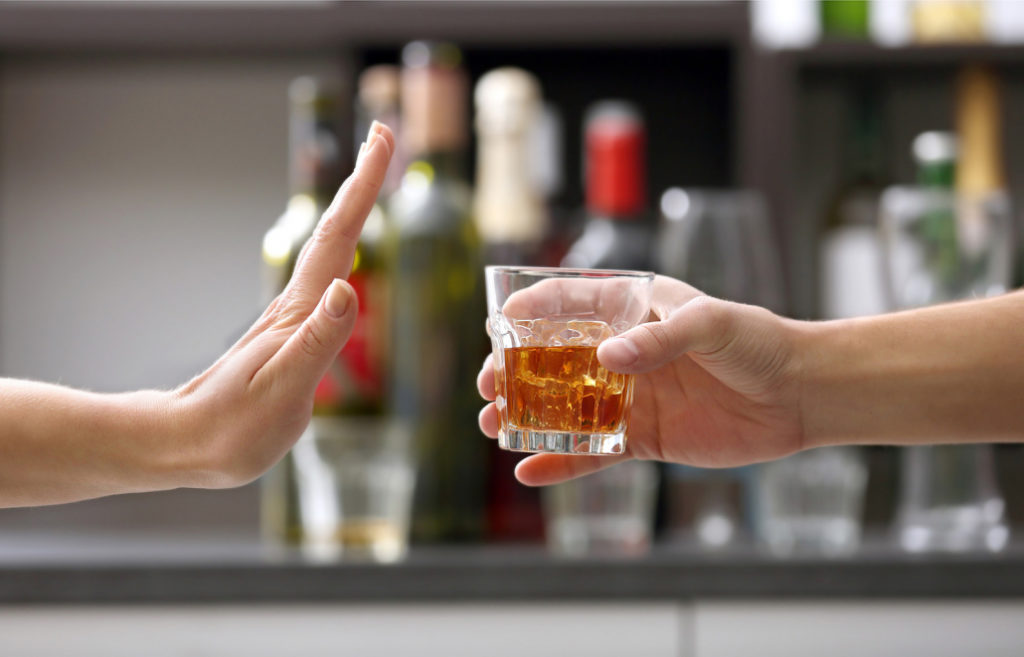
point(355, 483)
point(810, 503)
point(607, 513)
point(941, 247)
point(545, 325)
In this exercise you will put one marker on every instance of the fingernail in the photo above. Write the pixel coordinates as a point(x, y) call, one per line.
point(376, 128)
point(622, 351)
point(362, 149)
point(338, 299)
point(371, 141)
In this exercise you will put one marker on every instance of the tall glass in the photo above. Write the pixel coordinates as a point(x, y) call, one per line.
point(545, 325)
point(941, 247)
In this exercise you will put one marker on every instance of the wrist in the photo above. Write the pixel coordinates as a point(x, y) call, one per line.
point(821, 349)
point(162, 451)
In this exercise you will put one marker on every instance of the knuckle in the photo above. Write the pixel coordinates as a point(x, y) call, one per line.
point(310, 340)
point(657, 336)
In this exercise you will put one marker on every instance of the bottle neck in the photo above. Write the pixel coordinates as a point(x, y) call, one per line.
point(865, 159)
point(507, 207)
point(314, 163)
point(937, 175)
point(979, 170)
point(441, 164)
point(616, 174)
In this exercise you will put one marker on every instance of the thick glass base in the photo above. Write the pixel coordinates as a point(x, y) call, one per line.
point(554, 442)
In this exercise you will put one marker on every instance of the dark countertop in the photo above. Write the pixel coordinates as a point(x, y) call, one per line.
point(80, 569)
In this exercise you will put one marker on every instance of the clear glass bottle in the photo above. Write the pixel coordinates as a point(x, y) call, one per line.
point(943, 245)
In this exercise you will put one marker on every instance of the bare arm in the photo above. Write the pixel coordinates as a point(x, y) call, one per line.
point(226, 426)
point(952, 373)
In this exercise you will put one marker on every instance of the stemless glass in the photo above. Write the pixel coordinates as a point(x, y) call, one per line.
point(941, 247)
point(545, 325)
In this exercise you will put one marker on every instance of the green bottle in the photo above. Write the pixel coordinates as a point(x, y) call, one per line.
point(438, 312)
point(314, 172)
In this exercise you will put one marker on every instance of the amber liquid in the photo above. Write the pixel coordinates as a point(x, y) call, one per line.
point(562, 389)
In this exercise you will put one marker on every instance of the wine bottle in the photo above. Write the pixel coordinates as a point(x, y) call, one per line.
point(617, 233)
point(437, 301)
point(508, 211)
point(314, 173)
point(512, 223)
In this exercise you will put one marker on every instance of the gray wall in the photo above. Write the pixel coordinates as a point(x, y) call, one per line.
point(134, 192)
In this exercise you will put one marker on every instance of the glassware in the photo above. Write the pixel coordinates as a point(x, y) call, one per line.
point(721, 242)
point(940, 247)
point(355, 484)
point(952, 237)
point(609, 513)
point(810, 503)
point(545, 325)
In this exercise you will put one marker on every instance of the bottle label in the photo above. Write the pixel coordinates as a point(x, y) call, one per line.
point(355, 381)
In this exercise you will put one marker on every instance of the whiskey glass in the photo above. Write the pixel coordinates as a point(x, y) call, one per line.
point(545, 325)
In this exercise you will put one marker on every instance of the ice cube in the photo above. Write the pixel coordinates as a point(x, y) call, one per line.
point(589, 333)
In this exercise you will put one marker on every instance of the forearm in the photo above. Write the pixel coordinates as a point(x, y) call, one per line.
point(60, 445)
point(952, 373)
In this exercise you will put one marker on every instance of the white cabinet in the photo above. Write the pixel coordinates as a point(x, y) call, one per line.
point(420, 630)
point(858, 628)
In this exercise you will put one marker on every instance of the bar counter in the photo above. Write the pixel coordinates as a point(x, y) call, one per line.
point(110, 569)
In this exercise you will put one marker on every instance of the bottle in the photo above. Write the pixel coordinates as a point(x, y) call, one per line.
point(508, 211)
point(617, 232)
point(356, 384)
point(314, 172)
point(948, 21)
point(845, 19)
point(985, 221)
point(438, 305)
point(513, 224)
point(379, 99)
point(953, 244)
point(850, 249)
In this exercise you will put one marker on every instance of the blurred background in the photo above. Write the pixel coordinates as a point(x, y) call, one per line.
point(162, 162)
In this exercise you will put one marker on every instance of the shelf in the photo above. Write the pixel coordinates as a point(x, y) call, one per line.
point(94, 569)
point(865, 55)
point(244, 26)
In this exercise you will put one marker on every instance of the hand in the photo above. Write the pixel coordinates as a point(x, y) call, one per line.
point(716, 386)
point(250, 407)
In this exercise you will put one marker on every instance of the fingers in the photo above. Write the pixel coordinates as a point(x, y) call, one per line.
point(548, 469)
point(703, 324)
point(304, 358)
point(489, 420)
point(329, 253)
point(485, 379)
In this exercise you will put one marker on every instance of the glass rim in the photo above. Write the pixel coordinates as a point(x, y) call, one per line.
point(579, 272)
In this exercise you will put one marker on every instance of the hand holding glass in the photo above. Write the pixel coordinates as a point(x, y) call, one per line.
point(545, 325)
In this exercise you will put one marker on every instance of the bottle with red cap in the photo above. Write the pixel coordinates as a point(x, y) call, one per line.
point(618, 231)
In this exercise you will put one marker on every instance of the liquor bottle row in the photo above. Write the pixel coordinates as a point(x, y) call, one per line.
point(393, 449)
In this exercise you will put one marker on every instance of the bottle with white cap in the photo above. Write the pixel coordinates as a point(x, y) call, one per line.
point(508, 210)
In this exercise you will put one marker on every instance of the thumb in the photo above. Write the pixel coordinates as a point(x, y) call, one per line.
point(702, 324)
point(305, 357)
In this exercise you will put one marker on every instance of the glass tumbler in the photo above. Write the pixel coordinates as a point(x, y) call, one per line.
point(545, 325)
point(356, 477)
